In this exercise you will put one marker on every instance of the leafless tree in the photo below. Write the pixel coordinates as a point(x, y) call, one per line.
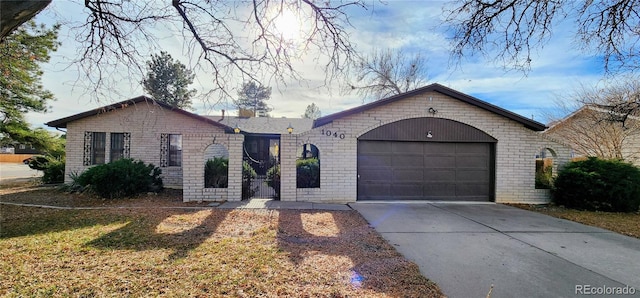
point(231, 40)
point(386, 73)
point(512, 29)
point(596, 128)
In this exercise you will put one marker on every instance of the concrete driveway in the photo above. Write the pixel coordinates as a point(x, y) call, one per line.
point(468, 248)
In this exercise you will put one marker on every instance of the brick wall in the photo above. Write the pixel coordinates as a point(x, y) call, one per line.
point(146, 122)
point(337, 142)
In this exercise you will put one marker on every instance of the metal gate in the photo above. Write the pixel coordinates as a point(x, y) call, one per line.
point(262, 155)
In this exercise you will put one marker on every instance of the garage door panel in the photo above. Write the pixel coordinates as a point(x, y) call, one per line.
point(440, 175)
point(374, 147)
point(400, 170)
point(407, 189)
point(409, 161)
point(472, 148)
point(407, 147)
point(471, 189)
point(472, 176)
point(433, 189)
point(440, 149)
point(374, 175)
point(431, 162)
point(373, 161)
point(408, 175)
point(472, 161)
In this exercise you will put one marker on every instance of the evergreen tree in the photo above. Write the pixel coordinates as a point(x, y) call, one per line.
point(168, 81)
point(252, 97)
point(312, 112)
point(21, 89)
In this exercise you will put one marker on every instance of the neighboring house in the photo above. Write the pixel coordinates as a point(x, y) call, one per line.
point(589, 132)
point(433, 143)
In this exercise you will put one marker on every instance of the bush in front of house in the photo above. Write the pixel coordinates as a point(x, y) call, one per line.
point(52, 168)
point(216, 173)
point(121, 178)
point(598, 185)
point(308, 173)
point(248, 174)
point(544, 175)
point(273, 179)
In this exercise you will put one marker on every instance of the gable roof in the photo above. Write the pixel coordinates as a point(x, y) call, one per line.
point(528, 123)
point(583, 109)
point(265, 125)
point(62, 123)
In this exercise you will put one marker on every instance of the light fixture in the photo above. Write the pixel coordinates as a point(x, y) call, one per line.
point(432, 111)
point(429, 135)
point(236, 129)
point(290, 128)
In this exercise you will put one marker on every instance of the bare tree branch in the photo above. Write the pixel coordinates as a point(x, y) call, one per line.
point(386, 73)
point(510, 30)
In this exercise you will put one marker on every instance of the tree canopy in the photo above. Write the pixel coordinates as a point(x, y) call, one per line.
point(168, 81)
point(511, 30)
point(312, 112)
point(229, 40)
point(21, 90)
point(253, 96)
point(385, 73)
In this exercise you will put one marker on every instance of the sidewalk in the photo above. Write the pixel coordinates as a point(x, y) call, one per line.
point(278, 205)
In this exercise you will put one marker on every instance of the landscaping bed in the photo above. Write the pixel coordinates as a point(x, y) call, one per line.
point(623, 223)
point(205, 252)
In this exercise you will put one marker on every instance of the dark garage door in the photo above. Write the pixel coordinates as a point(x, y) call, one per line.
point(400, 170)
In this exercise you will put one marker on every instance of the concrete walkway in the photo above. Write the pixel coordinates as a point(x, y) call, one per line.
point(469, 248)
point(273, 204)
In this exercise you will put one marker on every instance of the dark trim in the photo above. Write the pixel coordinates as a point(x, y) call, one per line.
point(428, 129)
point(528, 123)
point(62, 123)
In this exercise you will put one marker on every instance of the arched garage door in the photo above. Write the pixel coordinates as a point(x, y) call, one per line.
point(426, 159)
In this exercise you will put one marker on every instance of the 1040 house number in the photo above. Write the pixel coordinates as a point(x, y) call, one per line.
point(329, 133)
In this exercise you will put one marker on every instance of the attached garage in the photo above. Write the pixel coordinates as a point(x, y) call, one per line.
point(426, 159)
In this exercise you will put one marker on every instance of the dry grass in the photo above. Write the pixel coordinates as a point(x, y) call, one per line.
point(194, 252)
point(623, 223)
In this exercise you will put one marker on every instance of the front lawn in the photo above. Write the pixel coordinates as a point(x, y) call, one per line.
point(203, 252)
point(623, 223)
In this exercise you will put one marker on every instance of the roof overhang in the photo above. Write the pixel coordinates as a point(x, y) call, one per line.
point(62, 122)
point(528, 123)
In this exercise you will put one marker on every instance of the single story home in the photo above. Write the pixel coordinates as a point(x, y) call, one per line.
point(590, 132)
point(432, 143)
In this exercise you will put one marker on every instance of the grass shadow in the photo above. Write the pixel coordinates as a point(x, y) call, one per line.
point(142, 232)
point(376, 265)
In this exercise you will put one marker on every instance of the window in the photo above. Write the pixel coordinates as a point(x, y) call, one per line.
point(98, 148)
point(120, 144)
point(175, 150)
point(308, 167)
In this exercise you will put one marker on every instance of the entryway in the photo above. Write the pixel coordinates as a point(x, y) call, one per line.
point(261, 154)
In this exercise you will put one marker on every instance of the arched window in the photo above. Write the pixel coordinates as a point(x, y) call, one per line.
point(544, 168)
point(308, 167)
point(216, 166)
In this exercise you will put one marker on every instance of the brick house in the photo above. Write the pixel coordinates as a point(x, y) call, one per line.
point(589, 133)
point(431, 143)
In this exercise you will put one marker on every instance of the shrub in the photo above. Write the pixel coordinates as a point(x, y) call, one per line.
point(544, 175)
point(248, 174)
point(121, 178)
point(216, 173)
point(308, 173)
point(51, 167)
point(596, 184)
point(273, 179)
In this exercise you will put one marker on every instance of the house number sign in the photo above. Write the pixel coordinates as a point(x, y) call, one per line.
point(329, 133)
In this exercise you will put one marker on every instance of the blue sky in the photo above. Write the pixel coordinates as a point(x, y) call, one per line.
point(413, 26)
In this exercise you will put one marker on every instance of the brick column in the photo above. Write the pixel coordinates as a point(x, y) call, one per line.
point(288, 167)
point(235, 167)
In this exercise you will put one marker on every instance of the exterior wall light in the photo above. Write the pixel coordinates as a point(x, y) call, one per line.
point(290, 128)
point(236, 129)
